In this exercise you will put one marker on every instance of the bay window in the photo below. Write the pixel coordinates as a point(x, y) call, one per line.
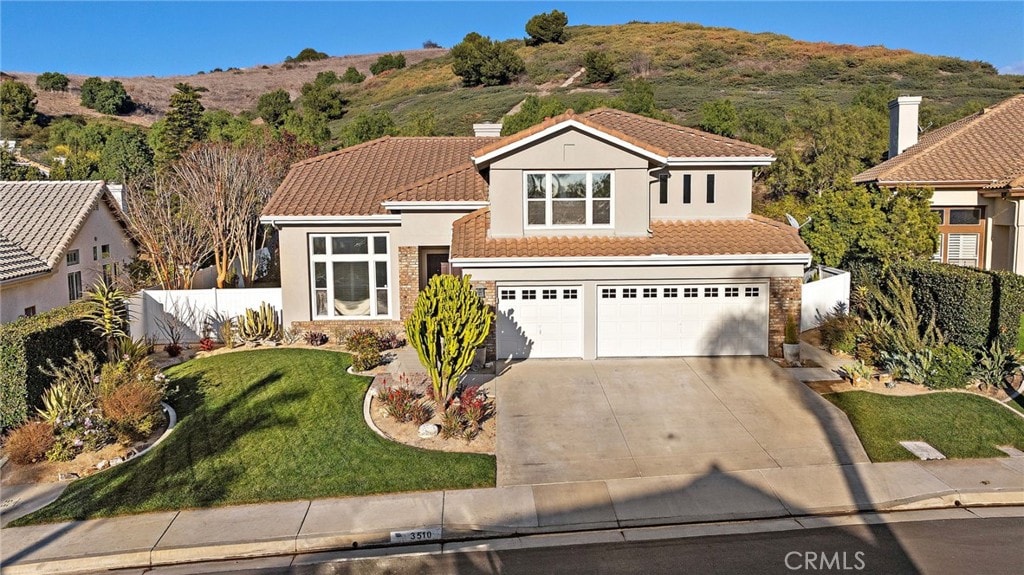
point(350, 276)
point(568, 199)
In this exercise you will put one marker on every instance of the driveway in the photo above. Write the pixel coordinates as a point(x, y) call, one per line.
point(573, 420)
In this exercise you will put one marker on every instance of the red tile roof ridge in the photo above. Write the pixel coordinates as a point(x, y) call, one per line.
point(341, 152)
point(680, 127)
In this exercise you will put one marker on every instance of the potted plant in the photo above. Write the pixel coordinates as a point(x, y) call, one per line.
point(791, 343)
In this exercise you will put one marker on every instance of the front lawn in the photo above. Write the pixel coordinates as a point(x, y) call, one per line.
point(960, 425)
point(265, 425)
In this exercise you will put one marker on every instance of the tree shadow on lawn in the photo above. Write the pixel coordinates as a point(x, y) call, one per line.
point(190, 469)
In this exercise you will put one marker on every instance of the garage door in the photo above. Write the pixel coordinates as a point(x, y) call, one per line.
point(540, 321)
point(679, 320)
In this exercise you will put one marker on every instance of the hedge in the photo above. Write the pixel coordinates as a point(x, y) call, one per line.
point(1008, 307)
point(25, 345)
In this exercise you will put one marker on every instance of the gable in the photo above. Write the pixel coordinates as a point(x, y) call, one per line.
point(571, 149)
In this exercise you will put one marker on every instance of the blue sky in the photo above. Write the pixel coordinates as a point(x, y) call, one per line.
point(165, 38)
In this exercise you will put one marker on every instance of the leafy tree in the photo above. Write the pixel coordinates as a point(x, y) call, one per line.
point(637, 98)
point(548, 27)
point(534, 110)
point(273, 106)
point(428, 44)
point(327, 78)
point(761, 127)
point(90, 88)
point(308, 126)
point(422, 124)
point(223, 126)
point(323, 100)
point(17, 103)
point(77, 166)
point(52, 82)
point(599, 67)
point(353, 76)
point(370, 126)
point(719, 117)
point(106, 97)
point(448, 323)
point(479, 61)
point(127, 157)
point(182, 127)
point(307, 55)
point(10, 171)
point(388, 62)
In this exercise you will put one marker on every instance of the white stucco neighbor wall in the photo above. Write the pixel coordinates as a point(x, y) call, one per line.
point(820, 297)
point(194, 308)
point(49, 291)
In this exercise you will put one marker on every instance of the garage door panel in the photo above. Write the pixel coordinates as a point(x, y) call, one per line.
point(541, 321)
point(679, 320)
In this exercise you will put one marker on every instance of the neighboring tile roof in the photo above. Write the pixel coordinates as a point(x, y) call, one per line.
point(354, 181)
point(657, 137)
point(753, 235)
point(459, 184)
point(38, 221)
point(987, 148)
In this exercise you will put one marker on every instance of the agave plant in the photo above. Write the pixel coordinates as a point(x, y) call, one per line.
point(108, 314)
point(65, 401)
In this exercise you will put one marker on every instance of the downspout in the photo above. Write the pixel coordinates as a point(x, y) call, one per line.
point(1016, 238)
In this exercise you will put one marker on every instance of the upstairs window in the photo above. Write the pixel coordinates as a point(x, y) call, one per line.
point(72, 258)
point(711, 188)
point(568, 199)
point(687, 188)
point(663, 189)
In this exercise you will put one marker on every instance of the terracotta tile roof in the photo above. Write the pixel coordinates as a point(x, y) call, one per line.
point(459, 184)
point(38, 221)
point(659, 138)
point(354, 181)
point(753, 235)
point(987, 148)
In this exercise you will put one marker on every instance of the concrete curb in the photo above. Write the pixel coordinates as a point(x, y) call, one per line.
point(465, 535)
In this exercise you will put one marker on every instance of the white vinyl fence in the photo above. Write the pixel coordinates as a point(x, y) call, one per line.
point(152, 310)
point(822, 295)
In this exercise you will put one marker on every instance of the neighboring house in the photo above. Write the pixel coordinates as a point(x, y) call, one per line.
point(603, 234)
point(976, 167)
point(56, 240)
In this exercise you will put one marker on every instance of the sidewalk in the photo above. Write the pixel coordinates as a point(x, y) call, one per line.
point(335, 524)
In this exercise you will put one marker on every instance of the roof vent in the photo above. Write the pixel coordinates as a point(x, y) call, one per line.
point(487, 130)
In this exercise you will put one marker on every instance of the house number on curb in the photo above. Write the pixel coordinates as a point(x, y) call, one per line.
point(416, 535)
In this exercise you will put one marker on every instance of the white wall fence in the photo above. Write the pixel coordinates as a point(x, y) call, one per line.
point(193, 309)
point(821, 296)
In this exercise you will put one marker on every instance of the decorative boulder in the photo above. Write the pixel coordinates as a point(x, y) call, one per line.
point(428, 430)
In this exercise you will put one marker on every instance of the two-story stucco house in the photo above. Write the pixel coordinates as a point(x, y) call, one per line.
point(976, 167)
point(57, 238)
point(603, 234)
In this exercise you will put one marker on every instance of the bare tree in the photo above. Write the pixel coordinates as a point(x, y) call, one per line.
point(169, 233)
point(227, 188)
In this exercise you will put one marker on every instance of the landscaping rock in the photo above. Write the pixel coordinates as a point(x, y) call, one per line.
point(428, 430)
point(103, 464)
point(67, 476)
point(116, 461)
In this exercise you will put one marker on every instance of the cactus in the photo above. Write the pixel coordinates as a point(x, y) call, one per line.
point(261, 324)
point(446, 326)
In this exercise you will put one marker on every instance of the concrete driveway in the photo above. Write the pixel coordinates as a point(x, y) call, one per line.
point(573, 420)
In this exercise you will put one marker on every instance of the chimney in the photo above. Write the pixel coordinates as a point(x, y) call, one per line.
point(903, 113)
point(490, 129)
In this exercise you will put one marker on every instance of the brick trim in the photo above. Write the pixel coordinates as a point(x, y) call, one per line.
point(784, 300)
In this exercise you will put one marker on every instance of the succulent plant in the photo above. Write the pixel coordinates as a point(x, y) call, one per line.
point(261, 324)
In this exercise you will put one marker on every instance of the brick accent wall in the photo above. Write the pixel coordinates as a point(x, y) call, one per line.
point(408, 279)
point(784, 299)
point(491, 299)
point(337, 329)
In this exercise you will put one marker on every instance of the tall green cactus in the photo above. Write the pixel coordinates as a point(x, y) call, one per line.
point(447, 325)
point(259, 324)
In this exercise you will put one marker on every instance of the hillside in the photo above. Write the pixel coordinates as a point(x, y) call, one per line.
point(688, 64)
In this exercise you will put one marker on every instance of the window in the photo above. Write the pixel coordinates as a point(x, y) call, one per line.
point(350, 276)
point(962, 250)
point(711, 292)
point(570, 294)
point(508, 294)
point(629, 293)
point(965, 217)
point(105, 251)
point(74, 286)
point(687, 188)
point(690, 292)
point(732, 292)
point(72, 258)
point(670, 292)
point(549, 294)
point(568, 198)
point(650, 292)
point(711, 188)
point(752, 292)
point(30, 311)
point(607, 293)
point(529, 294)
point(95, 253)
point(937, 256)
point(663, 188)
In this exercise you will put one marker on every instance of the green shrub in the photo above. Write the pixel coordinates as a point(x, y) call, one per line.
point(353, 76)
point(365, 361)
point(388, 62)
point(307, 55)
point(599, 67)
point(29, 443)
point(960, 299)
point(1007, 307)
point(839, 332)
point(25, 347)
point(951, 367)
point(52, 82)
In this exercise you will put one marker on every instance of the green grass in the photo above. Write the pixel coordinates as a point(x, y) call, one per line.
point(959, 425)
point(267, 425)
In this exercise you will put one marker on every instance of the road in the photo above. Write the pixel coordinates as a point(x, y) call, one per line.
point(988, 546)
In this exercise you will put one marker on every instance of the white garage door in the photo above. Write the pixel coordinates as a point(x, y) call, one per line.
point(540, 321)
point(680, 320)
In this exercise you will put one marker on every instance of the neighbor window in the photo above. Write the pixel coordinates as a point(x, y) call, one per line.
point(30, 311)
point(350, 276)
point(711, 188)
point(687, 188)
point(962, 250)
point(568, 198)
point(105, 251)
point(72, 258)
point(74, 286)
point(663, 188)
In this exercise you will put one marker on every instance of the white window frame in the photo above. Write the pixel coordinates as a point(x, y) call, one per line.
point(549, 201)
point(370, 258)
point(72, 258)
point(962, 261)
point(74, 286)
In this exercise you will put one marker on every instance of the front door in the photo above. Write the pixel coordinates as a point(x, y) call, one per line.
point(437, 264)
